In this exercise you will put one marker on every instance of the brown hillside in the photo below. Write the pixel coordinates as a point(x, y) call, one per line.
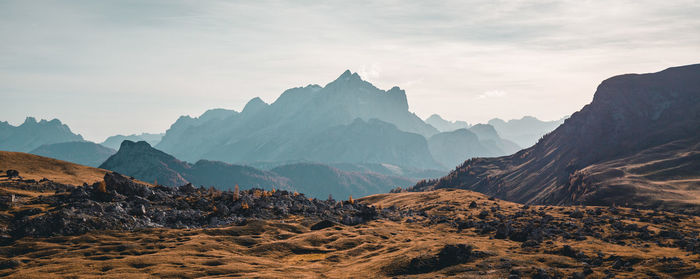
point(38, 167)
point(577, 242)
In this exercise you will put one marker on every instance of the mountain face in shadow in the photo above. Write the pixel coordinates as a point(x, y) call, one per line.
point(32, 134)
point(115, 141)
point(79, 152)
point(525, 131)
point(445, 126)
point(141, 161)
point(636, 143)
point(299, 119)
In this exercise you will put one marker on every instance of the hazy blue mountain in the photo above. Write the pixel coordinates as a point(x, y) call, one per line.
point(115, 141)
point(140, 160)
point(383, 168)
point(445, 126)
point(299, 124)
point(391, 170)
point(321, 180)
point(454, 147)
point(32, 134)
point(79, 152)
point(492, 141)
point(525, 131)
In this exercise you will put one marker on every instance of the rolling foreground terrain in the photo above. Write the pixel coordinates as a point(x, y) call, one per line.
point(636, 144)
point(126, 229)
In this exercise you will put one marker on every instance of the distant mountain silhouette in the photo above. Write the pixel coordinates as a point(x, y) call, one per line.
point(140, 160)
point(445, 126)
point(79, 152)
point(319, 179)
point(636, 143)
point(301, 124)
point(32, 134)
point(525, 131)
point(492, 141)
point(115, 141)
point(451, 148)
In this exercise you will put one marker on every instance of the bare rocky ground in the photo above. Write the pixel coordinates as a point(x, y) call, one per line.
point(128, 229)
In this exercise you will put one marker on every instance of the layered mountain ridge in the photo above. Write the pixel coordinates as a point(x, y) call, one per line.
point(32, 134)
point(140, 160)
point(347, 121)
point(276, 131)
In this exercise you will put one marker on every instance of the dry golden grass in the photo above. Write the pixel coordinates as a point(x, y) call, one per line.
point(38, 167)
point(289, 249)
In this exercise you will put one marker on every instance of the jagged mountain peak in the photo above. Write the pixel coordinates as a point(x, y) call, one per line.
point(434, 116)
point(29, 120)
point(32, 134)
point(348, 75)
point(349, 80)
point(254, 105)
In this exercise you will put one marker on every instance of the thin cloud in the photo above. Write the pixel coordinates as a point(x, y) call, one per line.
point(171, 58)
point(492, 94)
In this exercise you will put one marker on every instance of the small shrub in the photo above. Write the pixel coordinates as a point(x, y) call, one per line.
point(12, 173)
point(236, 193)
point(350, 200)
point(245, 205)
point(396, 190)
point(102, 187)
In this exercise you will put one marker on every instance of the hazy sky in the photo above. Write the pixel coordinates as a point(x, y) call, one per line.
point(108, 67)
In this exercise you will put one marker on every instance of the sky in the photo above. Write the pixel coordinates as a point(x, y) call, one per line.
point(124, 67)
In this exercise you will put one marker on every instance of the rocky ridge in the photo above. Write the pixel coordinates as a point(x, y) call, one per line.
point(120, 203)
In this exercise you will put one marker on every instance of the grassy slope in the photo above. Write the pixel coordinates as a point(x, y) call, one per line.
point(38, 167)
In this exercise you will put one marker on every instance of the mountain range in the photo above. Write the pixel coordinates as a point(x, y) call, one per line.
point(347, 121)
point(140, 160)
point(637, 144)
point(443, 125)
point(362, 139)
point(32, 134)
